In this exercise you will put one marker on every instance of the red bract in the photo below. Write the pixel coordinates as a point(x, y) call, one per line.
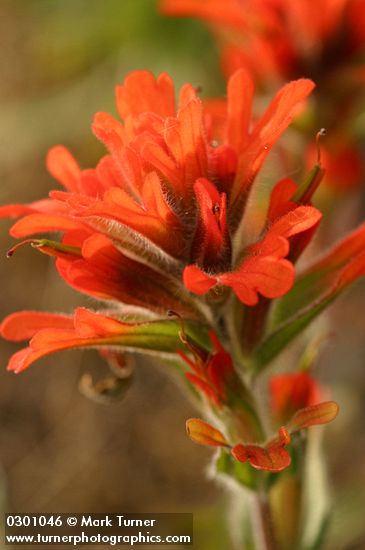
point(86, 329)
point(49, 333)
point(273, 456)
point(169, 196)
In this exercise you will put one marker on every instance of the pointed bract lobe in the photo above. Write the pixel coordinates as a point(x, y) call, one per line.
point(268, 276)
point(43, 223)
point(203, 433)
point(314, 415)
point(281, 199)
point(23, 325)
point(240, 92)
point(277, 117)
point(63, 167)
point(197, 281)
point(142, 92)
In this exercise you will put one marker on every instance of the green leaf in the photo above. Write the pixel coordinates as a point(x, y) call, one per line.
point(278, 339)
point(243, 473)
point(313, 291)
point(94, 330)
point(164, 336)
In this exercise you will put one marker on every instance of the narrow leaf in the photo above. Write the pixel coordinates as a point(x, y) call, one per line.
point(90, 330)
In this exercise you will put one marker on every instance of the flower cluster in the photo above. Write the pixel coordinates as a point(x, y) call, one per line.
point(162, 208)
point(156, 234)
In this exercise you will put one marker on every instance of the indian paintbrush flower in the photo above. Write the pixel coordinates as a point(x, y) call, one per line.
point(158, 226)
point(159, 202)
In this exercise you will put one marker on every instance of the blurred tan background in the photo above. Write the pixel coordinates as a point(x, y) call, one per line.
point(60, 452)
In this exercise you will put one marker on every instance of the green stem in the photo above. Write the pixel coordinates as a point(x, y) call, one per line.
point(243, 422)
point(234, 324)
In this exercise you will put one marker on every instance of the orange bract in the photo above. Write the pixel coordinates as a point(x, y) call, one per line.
point(204, 434)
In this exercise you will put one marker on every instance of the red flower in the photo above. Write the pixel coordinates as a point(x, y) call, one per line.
point(264, 270)
point(290, 38)
point(212, 374)
point(169, 195)
point(291, 392)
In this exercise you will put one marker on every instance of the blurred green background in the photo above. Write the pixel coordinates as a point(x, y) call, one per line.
point(59, 63)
